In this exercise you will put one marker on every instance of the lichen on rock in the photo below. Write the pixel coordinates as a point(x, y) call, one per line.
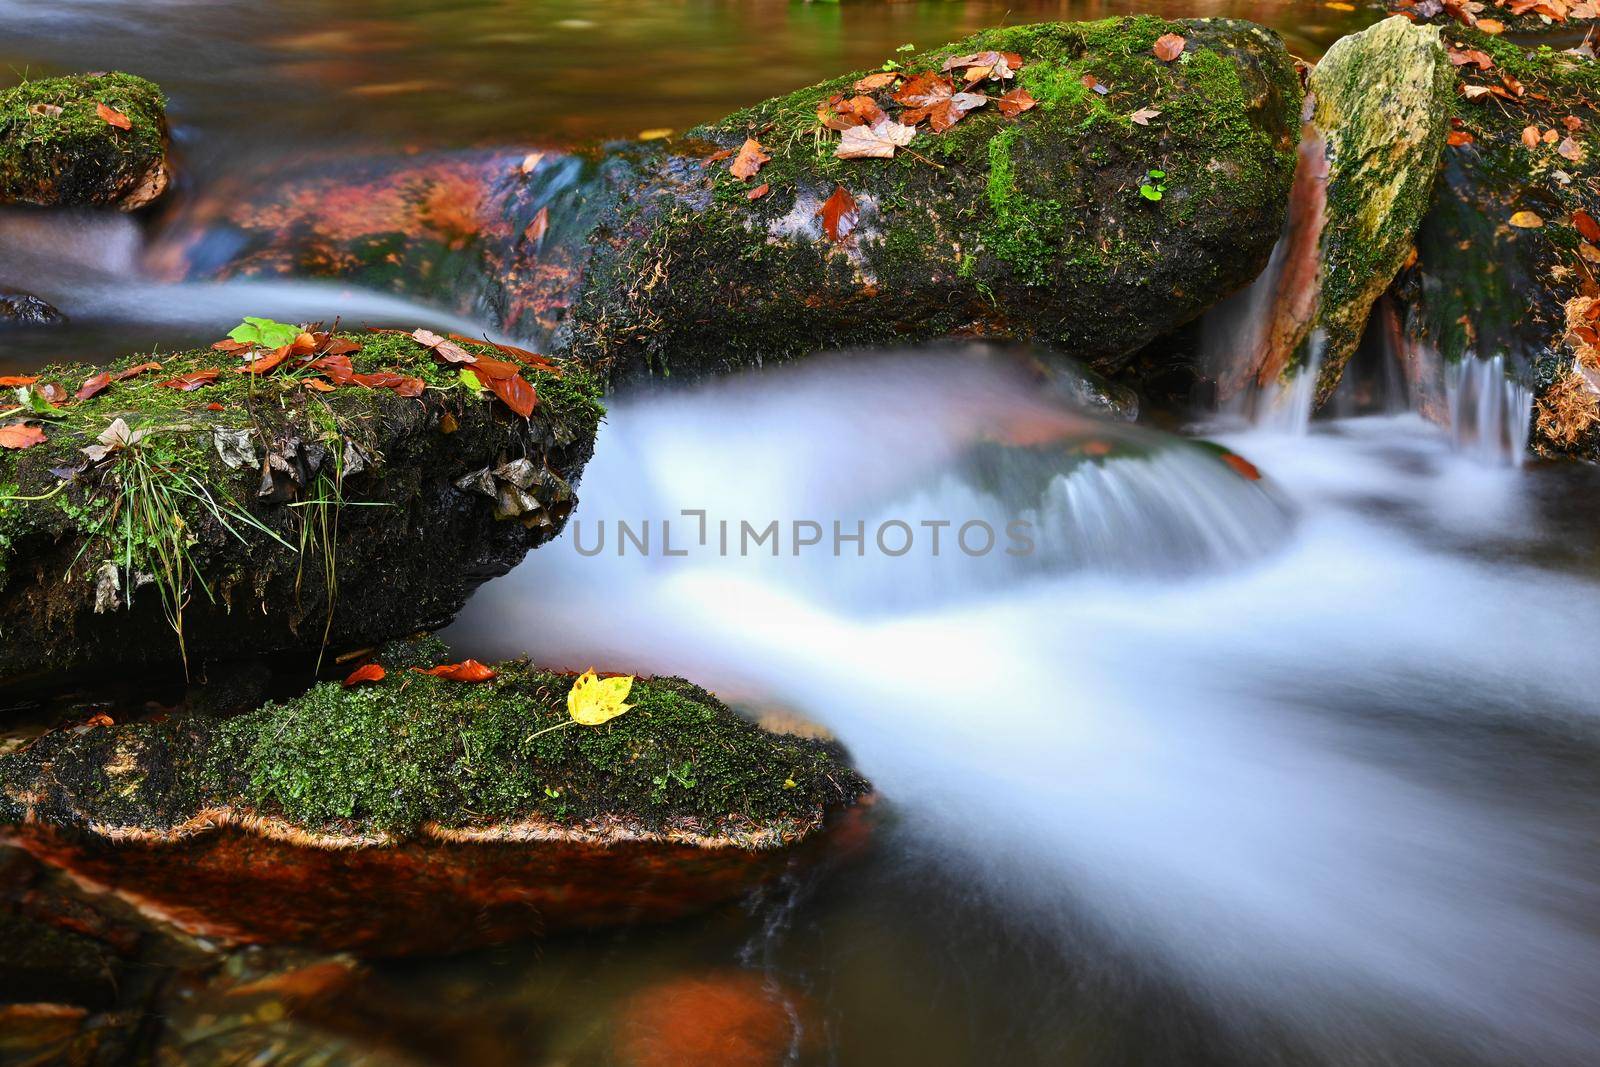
point(62, 142)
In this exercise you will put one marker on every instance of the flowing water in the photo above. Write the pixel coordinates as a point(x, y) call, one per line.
point(1289, 770)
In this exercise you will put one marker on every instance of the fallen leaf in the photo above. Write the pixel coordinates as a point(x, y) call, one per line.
point(442, 347)
point(1143, 116)
point(319, 385)
point(18, 436)
point(749, 160)
point(1493, 27)
point(1246, 469)
point(717, 157)
point(758, 192)
point(1569, 149)
point(873, 82)
point(404, 385)
point(1458, 138)
point(877, 141)
point(133, 372)
point(367, 672)
point(48, 111)
point(536, 229)
point(1512, 84)
point(448, 423)
point(214, 406)
point(1465, 56)
point(1526, 220)
point(1475, 92)
point(1589, 252)
point(51, 393)
point(1169, 46)
point(518, 395)
point(1586, 225)
point(593, 700)
point(93, 386)
point(1573, 123)
point(1550, 136)
point(113, 117)
point(1530, 136)
point(268, 361)
point(466, 671)
point(1017, 101)
point(188, 383)
point(655, 133)
point(17, 379)
point(839, 214)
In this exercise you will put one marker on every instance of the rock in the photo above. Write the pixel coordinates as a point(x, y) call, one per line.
point(23, 309)
point(1031, 227)
point(40, 963)
point(1493, 282)
point(63, 142)
point(1382, 100)
point(351, 529)
point(419, 815)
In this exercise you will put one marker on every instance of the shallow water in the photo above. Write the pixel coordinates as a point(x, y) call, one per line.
point(1302, 770)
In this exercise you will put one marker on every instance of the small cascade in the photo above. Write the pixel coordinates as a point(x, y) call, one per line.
point(1489, 410)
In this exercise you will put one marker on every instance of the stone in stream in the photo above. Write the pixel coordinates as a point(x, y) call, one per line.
point(1382, 100)
point(25, 309)
point(1509, 245)
point(1030, 226)
point(84, 140)
point(254, 515)
point(419, 814)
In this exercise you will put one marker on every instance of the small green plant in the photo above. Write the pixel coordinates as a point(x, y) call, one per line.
point(264, 332)
point(673, 775)
point(1154, 184)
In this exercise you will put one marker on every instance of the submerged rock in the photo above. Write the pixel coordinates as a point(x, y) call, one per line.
point(1032, 226)
point(85, 140)
point(23, 309)
point(419, 814)
point(1508, 248)
point(1381, 103)
point(170, 515)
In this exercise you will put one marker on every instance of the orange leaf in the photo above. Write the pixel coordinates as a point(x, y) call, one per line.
point(317, 384)
point(1015, 103)
point(839, 214)
point(874, 82)
point(1587, 226)
point(52, 393)
point(18, 436)
point(758, 192)
point(518, 395)
point(400, 383)
point(466, 671)
point(749, 160)
point(446, 350)
point(93, 386)
point(1458, 138)
point(1245, 468)
point(188, 383)
point(367, 672)
point(17, 379)
point(1530, 136)
point(1169, 46)
point(1493, 27)
point(113, 117)
point(536, 229)
point(268, 361)
point(132, 372)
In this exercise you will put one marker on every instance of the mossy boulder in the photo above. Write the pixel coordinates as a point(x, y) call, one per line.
point(267, 514)
point(1383, 99)
point(417, 813)
point(63, 142)
point(1031, 226)
point(1502, 252)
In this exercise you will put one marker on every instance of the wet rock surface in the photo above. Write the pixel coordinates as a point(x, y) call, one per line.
point(87, 140)
point(23, 309)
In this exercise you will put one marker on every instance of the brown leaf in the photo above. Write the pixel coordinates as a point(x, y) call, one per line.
point(1017, 101)
point(188, 383)
point(135, 371)
point(404, 385)
point(52, 393)
point(8, 380)
point(1569, 149)
point(367, 672)
point(1458, 138)
point(749, 160)
point(445, 349)
point(338, 346)
point(1475, 92)
point(758, 192)
point(1526, 220)
point(1465, 56)
point(1573, 123)
point(18, 436)
point(877, 141)
point(1586, 225)
point(317, 384)
point(518, 395)
point(839, 214)
point(1530, 136)
point(49, 111)
point(466, 671)
point(113, 117)
point(1169, 46)
point(1493, 27)
point(1512, 84)
point(93, 386)
point(268, 361)
point(873, 82)
point(337, 368)
point(231, 346)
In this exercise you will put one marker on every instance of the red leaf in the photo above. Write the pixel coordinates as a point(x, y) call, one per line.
point(1587, 226)
point(466, 671)
point(93, 386)
point(518, 395)
point(17, 379)
point(337, 368)
point(1457, 138)
point(367, 672)
point(1169, 46)
point(488, 369)
point(1244, 467)
point(338, 346)
point(214, 406)
point(267, 362)
point(758, 192)
point(133, 372)
point(749, 160)
point(839, 214)
point(188, 383)
point(113, 117)
point(1015, 103)
point(400, 383)
point(18, 436)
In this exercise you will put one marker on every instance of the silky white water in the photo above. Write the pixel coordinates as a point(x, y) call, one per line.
point(1249, 731)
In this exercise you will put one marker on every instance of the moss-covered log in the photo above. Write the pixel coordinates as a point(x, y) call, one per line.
point(260, 514)
point(1034, 225)
point(1508, 248)
point(86, 140)
point(417, 813)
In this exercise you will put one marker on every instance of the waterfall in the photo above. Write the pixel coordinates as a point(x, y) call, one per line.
point(1490, 410)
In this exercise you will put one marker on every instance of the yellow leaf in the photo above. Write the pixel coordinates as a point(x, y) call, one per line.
point(1526, 220)
point(595, 700)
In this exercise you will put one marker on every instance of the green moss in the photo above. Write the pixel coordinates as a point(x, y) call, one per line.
point(414, 748)
point(76, 157)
